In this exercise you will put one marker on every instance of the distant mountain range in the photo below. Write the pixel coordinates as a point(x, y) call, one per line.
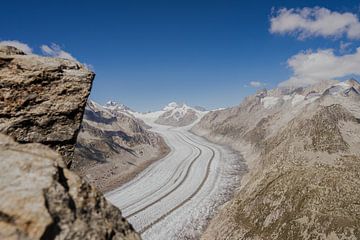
point(114, 142)
point(173, 114)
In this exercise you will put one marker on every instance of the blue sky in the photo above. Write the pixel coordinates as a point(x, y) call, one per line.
point(148, 53)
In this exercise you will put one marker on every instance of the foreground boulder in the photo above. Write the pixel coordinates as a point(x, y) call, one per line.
point(42, 99)
point(42, 199)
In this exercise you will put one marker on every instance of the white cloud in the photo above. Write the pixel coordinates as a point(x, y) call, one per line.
point(55, 51)
point(257, 84)
point(89, 66)
point(311, 67)
point(312, 22)
point(19, 45)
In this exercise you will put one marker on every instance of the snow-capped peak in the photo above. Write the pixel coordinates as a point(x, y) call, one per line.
point(309, 94)
point(174, 105)
point(173, 114)
point(171, 106)
point(112, 105)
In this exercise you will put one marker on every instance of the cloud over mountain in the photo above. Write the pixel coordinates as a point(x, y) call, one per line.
point(314, 22)
point(311, 67)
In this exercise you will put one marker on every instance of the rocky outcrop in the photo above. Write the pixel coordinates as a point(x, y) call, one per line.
point(303, 153)
point(113, 146)
point(42, 99)
point(42, 199)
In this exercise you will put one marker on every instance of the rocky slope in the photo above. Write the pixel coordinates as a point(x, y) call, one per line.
point(113, 145)
point(42, 100)
point(303, 149)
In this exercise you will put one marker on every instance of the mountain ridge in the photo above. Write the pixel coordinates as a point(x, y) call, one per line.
point(173, 114)
point(113, 145)
point(285, 137)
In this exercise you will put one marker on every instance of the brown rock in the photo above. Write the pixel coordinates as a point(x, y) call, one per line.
point(42, 99)
point(41, 199)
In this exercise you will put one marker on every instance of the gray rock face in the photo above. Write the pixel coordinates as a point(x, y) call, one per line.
point(42, 99)
point(303, 154)
point(42, 199)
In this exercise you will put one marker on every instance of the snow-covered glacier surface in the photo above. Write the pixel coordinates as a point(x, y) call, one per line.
point(175, 197)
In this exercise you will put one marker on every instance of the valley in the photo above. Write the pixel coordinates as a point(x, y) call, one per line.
point(225, 170)
point(175, 196)
point(180, 120)
point(284, 163)
point(221, 165)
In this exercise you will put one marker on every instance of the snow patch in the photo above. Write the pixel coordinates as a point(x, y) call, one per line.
point(148, 117)
point(179, 112)
point(170, 106)
point(286, 97)
point(297, 99)
point(269, 102)
point(343, 85)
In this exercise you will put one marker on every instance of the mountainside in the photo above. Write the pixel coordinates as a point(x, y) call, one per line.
point(42, 101)
point(303, 149)
point(113, 145)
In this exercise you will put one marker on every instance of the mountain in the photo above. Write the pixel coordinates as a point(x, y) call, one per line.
point(173, 114)
point(113, 145)
point(302, 147)
point(42, 102)
point(178, 115)
point(119, 108)
point(112, 105)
